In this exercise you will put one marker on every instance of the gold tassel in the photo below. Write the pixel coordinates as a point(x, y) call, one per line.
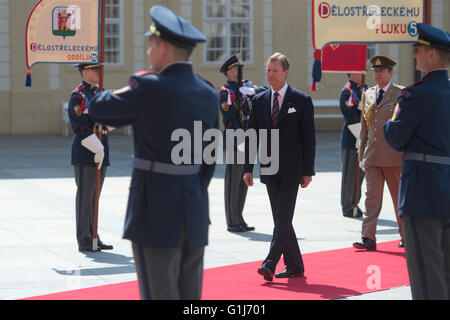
point(367, 114)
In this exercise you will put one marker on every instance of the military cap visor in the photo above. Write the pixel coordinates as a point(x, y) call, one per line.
point(86, 66)
point(433, 37)
point(173, 29)
point(233, 61)
point(382, 62)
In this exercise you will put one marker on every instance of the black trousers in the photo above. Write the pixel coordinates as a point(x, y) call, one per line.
point(283, 197)
point(85, 201)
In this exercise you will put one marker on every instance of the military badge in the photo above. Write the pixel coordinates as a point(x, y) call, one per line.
point(77, 110)
point(396, 112)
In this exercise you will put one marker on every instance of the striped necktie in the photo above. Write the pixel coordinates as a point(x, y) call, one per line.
point(275, 109)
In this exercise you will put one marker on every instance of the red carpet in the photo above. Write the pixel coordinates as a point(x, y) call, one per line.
point(328, 275)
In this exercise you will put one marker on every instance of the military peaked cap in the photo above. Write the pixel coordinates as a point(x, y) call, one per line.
point(230, 63)
point(382, 62)
point(173, 29)
point(433, 37)
point(84, 66)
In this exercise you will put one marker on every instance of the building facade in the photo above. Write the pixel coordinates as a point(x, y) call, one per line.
point(267, 26)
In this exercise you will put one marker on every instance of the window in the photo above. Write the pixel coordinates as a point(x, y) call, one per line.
point(113, 33)
point(372, 51)
point(224, 22)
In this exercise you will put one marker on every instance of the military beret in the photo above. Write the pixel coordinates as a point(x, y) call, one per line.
point(433, 37)
point(382, 62)
point(173, 29)
point(230, 63)
point(84, 66)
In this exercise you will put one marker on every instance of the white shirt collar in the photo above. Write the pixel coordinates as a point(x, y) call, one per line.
point(385, 89)
point(282, 91)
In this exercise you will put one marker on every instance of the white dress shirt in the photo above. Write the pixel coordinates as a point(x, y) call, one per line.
point(281, 95)
point(385, 89)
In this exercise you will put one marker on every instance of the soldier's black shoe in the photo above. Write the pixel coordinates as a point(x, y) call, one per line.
point(289, 274)
point(103, 246)
point(366, 244)
point(248, 228)
point(266, 273)
point(359, 214)
point(401, 244)
point(237, 229)
point(86, 249)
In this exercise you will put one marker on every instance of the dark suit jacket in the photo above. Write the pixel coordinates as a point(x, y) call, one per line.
point(156, 105)
point(297, 143)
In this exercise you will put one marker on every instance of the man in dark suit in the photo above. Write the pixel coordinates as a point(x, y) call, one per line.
point(290, 112)
point(168, 212)
point(421, 129)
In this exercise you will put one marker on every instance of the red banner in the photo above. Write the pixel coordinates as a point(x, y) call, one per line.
point(344, 58)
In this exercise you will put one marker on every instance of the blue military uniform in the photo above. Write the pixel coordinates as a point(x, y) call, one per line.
point(421, 129)
point(83, 126)
point(348, 101)
point(167, 217)
point(159, 204)
point(83, 160)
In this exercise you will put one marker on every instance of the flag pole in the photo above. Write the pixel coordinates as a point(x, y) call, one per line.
point(97, 128)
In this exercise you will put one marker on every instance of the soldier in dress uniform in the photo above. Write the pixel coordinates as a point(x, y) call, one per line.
point(167, 217)
point(380, 163)
point(349, 103)
point(234, 119)
point(421, 129)
point(89, 154)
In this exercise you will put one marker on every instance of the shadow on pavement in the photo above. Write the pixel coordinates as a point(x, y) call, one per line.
point(46, 157)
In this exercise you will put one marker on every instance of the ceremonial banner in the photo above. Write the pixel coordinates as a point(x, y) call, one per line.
point(62, 31)
point(344, 58)
point(362, 22)
point(365, 21)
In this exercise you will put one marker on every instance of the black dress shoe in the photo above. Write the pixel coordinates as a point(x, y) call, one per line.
point(103, 246)
point(401, 244)
point(266, 273)
point(248, 228)
point(350, 214)
point(289, 274)
point(237, 229)
point(366, 244)
point(86, 249)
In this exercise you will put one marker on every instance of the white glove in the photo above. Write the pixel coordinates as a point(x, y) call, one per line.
point(247, 91)
point(98, 158)
point(110, 129)
point(93, 144)
point(361, 165)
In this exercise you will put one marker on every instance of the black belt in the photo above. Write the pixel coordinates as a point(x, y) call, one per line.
point(165, 168)
point(427, 158)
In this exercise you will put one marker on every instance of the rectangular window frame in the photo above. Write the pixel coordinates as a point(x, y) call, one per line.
point(227, 21)
point(117, 21)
